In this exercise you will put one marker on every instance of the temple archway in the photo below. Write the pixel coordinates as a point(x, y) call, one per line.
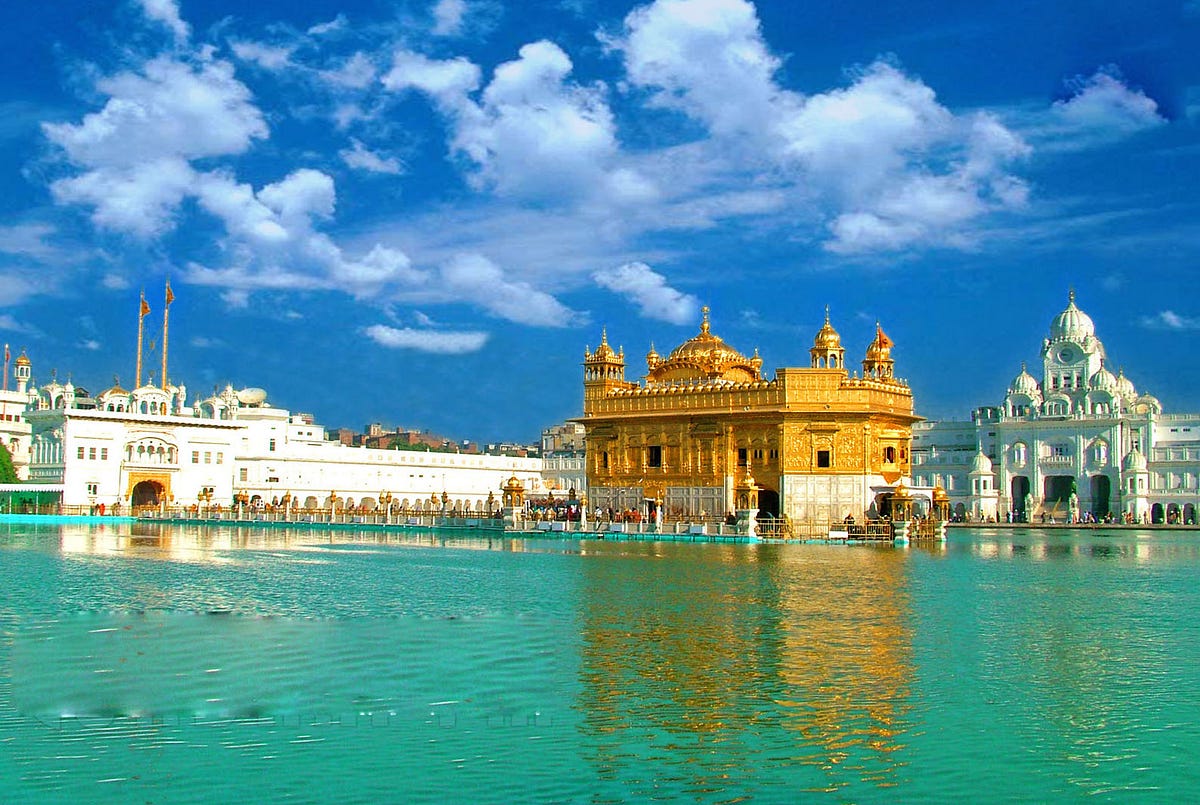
point(1101, 490)
point(768, 502)
point(146, 493)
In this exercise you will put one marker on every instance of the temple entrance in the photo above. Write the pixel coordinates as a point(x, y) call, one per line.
point(1020, 494)
point(1057, 492)
point(768, 502)
point(1156, 513)
point(146, 493)
point(1101, 489)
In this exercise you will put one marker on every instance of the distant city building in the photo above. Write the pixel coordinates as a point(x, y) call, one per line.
point(1076, 442)
point(819, 442)
point(564, 463)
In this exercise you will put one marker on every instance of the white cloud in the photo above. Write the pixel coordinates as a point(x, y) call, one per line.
point(169, 109)
point(357, 72)
point(532, 133)
point(338, 23)
point(448, 17)
point(360, 157)
point(435, 341)
point(1103, 106)
point(884, 162)
point(448, 81)
point(475, 278)
point(136, 151)
point(167, 12)
point(7, 322)
point(28, 240)
point(268, 57)
point(114, 282)
point(1170, 320)
point(649, 291)
point(90, 344)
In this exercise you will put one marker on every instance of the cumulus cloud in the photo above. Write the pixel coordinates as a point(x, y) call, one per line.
point(477, 279)
point(442, 342)
point(1170, 320)
point(1104, 106)
point(891, 165)
point(167, 13)
point(648, 289)
point(362, 158)
point(532, 133)
point(135, 153)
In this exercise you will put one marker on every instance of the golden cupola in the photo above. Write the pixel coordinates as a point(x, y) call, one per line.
point(705, 357)
point(827, 351)
point(878, 363)
point(653, 359)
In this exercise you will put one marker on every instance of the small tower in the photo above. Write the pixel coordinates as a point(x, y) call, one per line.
point(827, 351)
point(21, 371)
point(878, 363)
point(603, 369)
point(653, 359)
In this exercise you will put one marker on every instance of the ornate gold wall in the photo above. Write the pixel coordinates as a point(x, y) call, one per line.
point(701, 429)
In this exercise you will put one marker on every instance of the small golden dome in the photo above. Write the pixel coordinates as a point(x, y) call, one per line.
point(22, 359)
point(603, 352)
point(827, 337)
point(881, 347)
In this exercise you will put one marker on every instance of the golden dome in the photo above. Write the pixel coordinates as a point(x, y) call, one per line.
point(603, 352)
point(881, 347)
point(827, 337)
point(705, 356)
point(22, 359)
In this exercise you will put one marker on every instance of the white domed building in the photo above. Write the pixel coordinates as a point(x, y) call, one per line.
point(1076, 443)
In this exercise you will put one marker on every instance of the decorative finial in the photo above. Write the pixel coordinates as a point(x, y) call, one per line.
point(1022, 366)
point(1071, 295)
point(116, 380)
point(827, 314)
point(704, 320)
point(604, 336)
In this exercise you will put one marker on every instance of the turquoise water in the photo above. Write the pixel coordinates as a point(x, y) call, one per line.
point(147, 663)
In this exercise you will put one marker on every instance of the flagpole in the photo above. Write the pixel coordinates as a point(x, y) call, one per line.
point(143, 309)
point(7, 358)
point(170, 297)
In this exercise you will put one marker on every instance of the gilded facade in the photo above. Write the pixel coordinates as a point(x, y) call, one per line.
point(819, 442)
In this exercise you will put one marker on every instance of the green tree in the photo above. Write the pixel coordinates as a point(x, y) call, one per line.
point(8, 473)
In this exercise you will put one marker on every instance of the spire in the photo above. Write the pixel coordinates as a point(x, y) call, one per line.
point(704, 327)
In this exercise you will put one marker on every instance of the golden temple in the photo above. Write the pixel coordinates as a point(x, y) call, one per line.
point(817, 443)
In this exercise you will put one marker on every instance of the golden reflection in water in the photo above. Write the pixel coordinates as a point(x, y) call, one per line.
point(727, 660)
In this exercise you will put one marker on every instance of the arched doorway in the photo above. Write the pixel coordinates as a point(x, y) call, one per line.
point(768, 502)
point(146, 493)
point(1156, 513)
point(1057, 489)
point(1189, 514)
point(1101, 490)
point(1020, 493)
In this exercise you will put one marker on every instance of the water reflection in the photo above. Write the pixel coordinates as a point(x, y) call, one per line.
point(734, 661)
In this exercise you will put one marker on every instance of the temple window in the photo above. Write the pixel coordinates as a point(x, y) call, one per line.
point(654, 456)
point(741, 457)
point(824, 459)
point(889, 455)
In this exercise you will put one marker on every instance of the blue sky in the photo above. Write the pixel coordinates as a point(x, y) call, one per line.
point(420, 213)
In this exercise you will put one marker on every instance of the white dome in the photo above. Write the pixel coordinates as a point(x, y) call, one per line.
point(1103, 380)
point(981, 465)
point(1125, 386)
point(1072, 324)
point(1135, 461)
point(1025, 383)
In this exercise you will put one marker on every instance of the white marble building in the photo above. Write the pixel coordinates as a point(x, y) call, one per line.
point(1075, 442)
point(148, 446)
point(14, 427)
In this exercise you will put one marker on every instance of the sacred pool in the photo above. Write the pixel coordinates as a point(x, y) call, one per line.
point(157, 663)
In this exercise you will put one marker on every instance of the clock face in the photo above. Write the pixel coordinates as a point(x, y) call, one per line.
point(1066, 355)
